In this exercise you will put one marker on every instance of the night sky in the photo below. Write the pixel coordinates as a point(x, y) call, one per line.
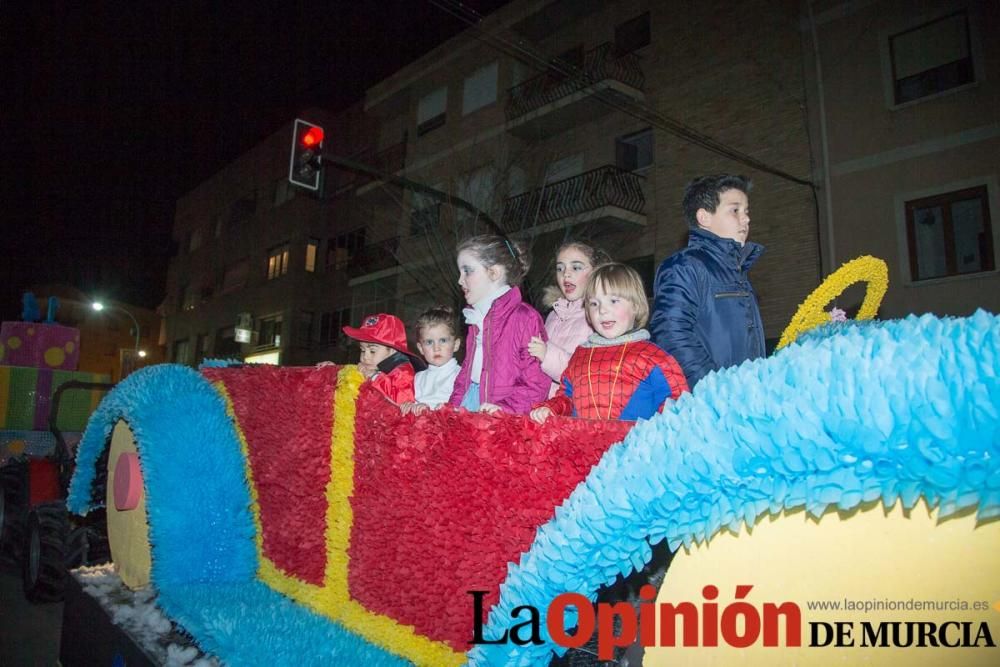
point(111, 111)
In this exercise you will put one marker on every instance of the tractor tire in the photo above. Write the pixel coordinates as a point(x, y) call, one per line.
point(44, 552)
point(13, 510)
point(87, 542)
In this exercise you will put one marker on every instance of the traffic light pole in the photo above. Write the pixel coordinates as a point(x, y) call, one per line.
point(443, 197)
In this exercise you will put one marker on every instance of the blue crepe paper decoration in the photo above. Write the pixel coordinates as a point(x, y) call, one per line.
point(200, 526)
point(855, 412)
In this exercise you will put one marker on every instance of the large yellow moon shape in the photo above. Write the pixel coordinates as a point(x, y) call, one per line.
point(865, 556)
point(128, 530)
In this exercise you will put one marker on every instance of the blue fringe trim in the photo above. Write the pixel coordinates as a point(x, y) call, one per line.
point(200, 525)
point(893, 410)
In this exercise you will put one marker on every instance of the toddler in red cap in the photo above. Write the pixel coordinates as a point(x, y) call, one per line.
point(385, 359)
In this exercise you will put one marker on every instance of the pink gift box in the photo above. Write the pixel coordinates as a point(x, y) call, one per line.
point(39, 345)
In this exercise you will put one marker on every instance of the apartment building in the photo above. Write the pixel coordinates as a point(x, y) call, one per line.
point(904, 102)
point(554, 119)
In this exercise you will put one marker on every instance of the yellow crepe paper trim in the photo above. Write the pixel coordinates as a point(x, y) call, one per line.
point(333, 598)
point(267, 571)
point(376, 628)
point(812, 312)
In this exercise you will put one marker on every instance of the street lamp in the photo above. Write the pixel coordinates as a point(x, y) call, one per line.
point(98, 306)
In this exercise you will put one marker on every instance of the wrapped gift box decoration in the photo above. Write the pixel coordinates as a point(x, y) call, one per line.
point(39, 345)
point(26, 397)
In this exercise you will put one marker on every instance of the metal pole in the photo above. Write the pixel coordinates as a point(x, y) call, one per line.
point(134, 323)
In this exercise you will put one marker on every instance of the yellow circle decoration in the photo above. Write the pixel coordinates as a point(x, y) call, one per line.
point(16, 447)
point(13, 342)
point(54, 356)
point(128, 531)
point(70, 346)
point(812, 312)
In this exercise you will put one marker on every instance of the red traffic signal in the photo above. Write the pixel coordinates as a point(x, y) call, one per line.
point(313, 137)
point(305, 167)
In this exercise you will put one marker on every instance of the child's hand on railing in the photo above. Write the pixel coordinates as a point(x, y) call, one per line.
point(414, 408)
point(541, 414)
point(367, 370)
point(537, 347)
point(490, 408)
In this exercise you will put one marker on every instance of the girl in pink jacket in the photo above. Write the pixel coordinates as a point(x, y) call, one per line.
point(567, 324)
point(498, 372)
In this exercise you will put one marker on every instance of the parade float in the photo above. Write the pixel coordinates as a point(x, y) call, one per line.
point(45, 402)
point(836, 501)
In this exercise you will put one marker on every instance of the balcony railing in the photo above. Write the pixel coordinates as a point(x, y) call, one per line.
point(374, 257)
point(599, 64)
point(592, 190)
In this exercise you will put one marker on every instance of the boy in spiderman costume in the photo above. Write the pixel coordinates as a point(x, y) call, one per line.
point(385, 359)
point(617, 373)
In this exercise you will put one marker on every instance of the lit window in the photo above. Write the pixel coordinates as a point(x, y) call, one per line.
point(312, 247)
point(431, 110)
point(480, 89)
point(931, 58)
point(277, 261)
point(950, 234)
point(634, 151)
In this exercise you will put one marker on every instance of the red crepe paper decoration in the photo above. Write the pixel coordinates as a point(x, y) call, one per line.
point(442, 502)
point(286, 416)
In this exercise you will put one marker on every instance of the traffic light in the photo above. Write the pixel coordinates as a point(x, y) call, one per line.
point(307, 147)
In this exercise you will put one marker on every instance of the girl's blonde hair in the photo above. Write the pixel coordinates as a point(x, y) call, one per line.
point(621, 280)
point(594, 255)
point(436, 315)
point(513, 256)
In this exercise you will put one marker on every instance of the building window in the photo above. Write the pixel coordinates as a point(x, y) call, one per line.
point(226, 346)
point(269, 331)
point(340, 249)
point(235, 276)
point(312, 247)
point(950, 234)
point(634, 151)
point(331, 326)
point(189, 297)
point(303, 328)
point(181, 352)
point(431, 110)
point(632, 35)
point(283, 192)
point(277, 261)
point(195, 239)
point(201, 347)
point(931, 58)
point(480, 89)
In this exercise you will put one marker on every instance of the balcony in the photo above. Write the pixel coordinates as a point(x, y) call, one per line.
point(550, 103)
point(606, 195)
point(374, 260)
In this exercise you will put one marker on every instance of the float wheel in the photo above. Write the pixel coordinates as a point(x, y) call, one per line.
point(44, 552)
point(13, 505)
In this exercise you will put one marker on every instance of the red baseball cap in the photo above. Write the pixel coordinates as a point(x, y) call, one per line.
point(388, 330)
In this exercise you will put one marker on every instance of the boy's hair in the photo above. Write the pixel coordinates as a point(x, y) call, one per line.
point(595, 255)
point(513, 256)
point(704, 192)
point(436, 315)
point(624, 281)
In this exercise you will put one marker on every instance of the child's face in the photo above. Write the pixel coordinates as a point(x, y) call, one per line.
point(372, 354)
point(572, 270)
point(731, 219)
point(611, 315)
point(476, 280)
point(437, 344)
